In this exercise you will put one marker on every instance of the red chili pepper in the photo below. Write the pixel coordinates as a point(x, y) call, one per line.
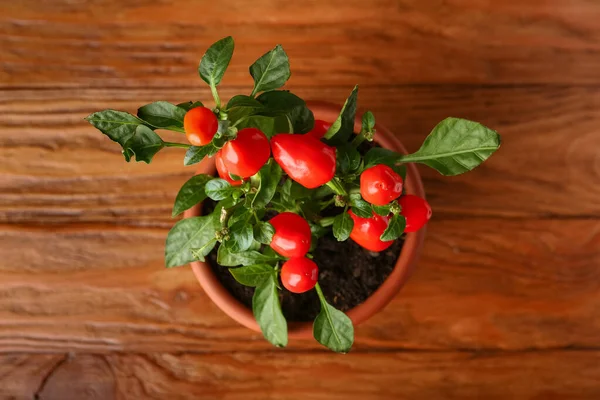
point(247, 153)
point(200, 125)
point(305, 159)
point(222, 170)
point(292, 235)
point(299, 274)
point(319, 129)
point(416, 211)
point(380, 184)
point(366, 231)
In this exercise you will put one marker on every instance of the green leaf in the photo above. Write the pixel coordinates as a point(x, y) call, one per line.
point(191, 193)
point(215, 61)
point(342, 226)
point(188, 105)
point(268, 125)
point(267, 311)
point(456, 146)
point(162, 114)
point(144, 144)
point(343, 127)
point(270, 71)
point(332, 328)
point(187, 234)
point(227, 258)
point(282, 102)
point(269, 177)
point(119, 126)
point(347, 159)
point(195, 154)
point(241, 237)
point(263, 232)
point(242, 106)
point(378, 155)
point(218, 189)
point(360, 207)
point(240, 214)
point(384, 211)
point(395, 228)
point(368, 122)
point(252, 275)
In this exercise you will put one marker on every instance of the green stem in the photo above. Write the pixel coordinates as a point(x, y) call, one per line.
point(215, 95)
point(326, 221)
point(337, 186)
point(320, 294)
point(173, 144)
point(358, 139)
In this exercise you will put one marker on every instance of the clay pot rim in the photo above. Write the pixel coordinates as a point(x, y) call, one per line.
point(378, 299)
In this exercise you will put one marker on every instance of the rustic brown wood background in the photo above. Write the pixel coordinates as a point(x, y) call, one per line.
point(505, 303)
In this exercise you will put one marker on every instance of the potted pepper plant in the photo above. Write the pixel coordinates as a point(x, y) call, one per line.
point(275, 184)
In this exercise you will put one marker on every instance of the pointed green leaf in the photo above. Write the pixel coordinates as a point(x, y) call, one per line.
point(456, 146)
point(162, 114)
point(196, 154)
point(384, 211)
point(269, 177)
point(343, 127)
point(395, 228)
point(241, 106)
point(215, 61)
point(144, 144)
point(368, 122)
point(187, 234)
point(332, 328)
point(241, 237)
point(263, 232)
point(342, 226)
point(269, 125)
point(270, 71)
point(252, 275)
point(119, 126)
point(347, 159)
point(218, 189)
point(282, 102)
point(191, 193)
point(227, 258)
point(267, 311)
point(360, 207)
point(378, 155)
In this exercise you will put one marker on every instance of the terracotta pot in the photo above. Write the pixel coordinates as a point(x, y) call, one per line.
point(379, 299)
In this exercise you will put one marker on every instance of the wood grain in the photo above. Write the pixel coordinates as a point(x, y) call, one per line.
point(480, 284)
point(505, 302)
point(74, 173)
point(283, 375)
point(337, 42)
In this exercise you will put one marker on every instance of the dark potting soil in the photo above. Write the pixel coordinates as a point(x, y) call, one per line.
point(348, 274)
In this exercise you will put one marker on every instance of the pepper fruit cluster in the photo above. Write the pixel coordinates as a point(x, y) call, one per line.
point(274, 158)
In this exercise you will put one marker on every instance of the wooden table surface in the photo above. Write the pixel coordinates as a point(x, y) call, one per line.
point(505, 301)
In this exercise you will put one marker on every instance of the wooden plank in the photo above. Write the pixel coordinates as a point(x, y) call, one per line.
point(480, 284)
point(283, 375)
point(548, 164)
point(335, 42)
point(22, 374)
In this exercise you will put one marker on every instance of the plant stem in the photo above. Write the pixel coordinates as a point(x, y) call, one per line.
point(326, 221)
point(173, 144)
point(215, 95)
point(320, 294)
point(337, 186)
point(358, 139)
